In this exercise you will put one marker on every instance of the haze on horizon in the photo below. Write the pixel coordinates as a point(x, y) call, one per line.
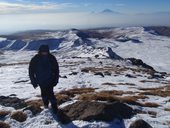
point(21, 15)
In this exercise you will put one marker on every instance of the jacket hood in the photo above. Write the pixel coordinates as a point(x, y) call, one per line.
point(44, 48)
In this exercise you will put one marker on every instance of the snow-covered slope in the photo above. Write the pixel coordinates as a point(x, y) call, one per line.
point(126, 42)
point(79, 49)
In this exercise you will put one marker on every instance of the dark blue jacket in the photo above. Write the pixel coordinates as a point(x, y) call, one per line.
point(44, 70)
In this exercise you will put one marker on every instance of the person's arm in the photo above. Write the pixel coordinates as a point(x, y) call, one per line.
point(32, 72)
point(55, 71)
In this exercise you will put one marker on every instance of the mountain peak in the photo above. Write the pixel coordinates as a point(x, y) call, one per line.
point(109, 11)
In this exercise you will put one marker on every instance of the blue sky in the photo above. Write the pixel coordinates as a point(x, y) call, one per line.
point(126, 6)
point(19, 15)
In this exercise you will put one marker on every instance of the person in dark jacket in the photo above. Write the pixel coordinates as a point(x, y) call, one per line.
point(44, 72)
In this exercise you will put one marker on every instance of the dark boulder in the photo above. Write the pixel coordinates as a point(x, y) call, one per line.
point(140, 124)
point(12, 102)
point(99, 74)
point(88, 110)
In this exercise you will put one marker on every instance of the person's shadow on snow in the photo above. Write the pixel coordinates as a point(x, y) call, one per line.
point(63, 119)
point(66, 122)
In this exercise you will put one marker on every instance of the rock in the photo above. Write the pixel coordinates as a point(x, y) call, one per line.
point(139, 62)
point(12, 102)
point(4, 125)
point(130, 76)
point(88, 110)
point(113, 55)
point(140, 124)
point(73, 73)
point(21, 81)
point(99, 73)
point(85, 70)
point(35, 109)
point(19, 116)
point(65, 77)
point(13, 95)
point(101, 62)
point(4, 113)
point(96, 56)
point(107, 73)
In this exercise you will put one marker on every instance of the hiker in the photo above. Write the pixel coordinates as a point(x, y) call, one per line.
point(44, 72)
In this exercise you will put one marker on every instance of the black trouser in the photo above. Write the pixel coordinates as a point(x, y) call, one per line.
point(47, 95)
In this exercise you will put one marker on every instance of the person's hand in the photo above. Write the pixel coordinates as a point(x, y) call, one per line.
point(55, 83)
point(35, 85)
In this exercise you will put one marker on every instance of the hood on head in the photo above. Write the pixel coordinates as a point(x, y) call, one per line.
point(44, 48)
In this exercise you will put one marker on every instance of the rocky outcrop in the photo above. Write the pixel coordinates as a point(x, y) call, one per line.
point(113, 55)
point(140, 124)
point(139, 62)
point(88, 110)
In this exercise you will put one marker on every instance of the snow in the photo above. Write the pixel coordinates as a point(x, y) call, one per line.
point(154, 50)
point(2, 39)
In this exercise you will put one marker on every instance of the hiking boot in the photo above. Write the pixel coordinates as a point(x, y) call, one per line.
point(45, 106)
point(55, 110)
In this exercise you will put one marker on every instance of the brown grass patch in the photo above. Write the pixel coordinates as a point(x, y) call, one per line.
point(161, 91)
point(150, 104)
point(151, 113)
point(19, 116)
point(4, 125)
point(150, 81)
point(118, 70)
point(110, 84)
point(37, 103)
point(167, 109)
point(130, 84)
point(34, 106)
point(4, 113)
point(13, 64)
point(76, 91)
point(97, 97)
point(110, 96)
point(114, 84)
point(61, 98)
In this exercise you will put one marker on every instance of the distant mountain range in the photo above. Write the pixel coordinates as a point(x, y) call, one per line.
point(160, 30)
